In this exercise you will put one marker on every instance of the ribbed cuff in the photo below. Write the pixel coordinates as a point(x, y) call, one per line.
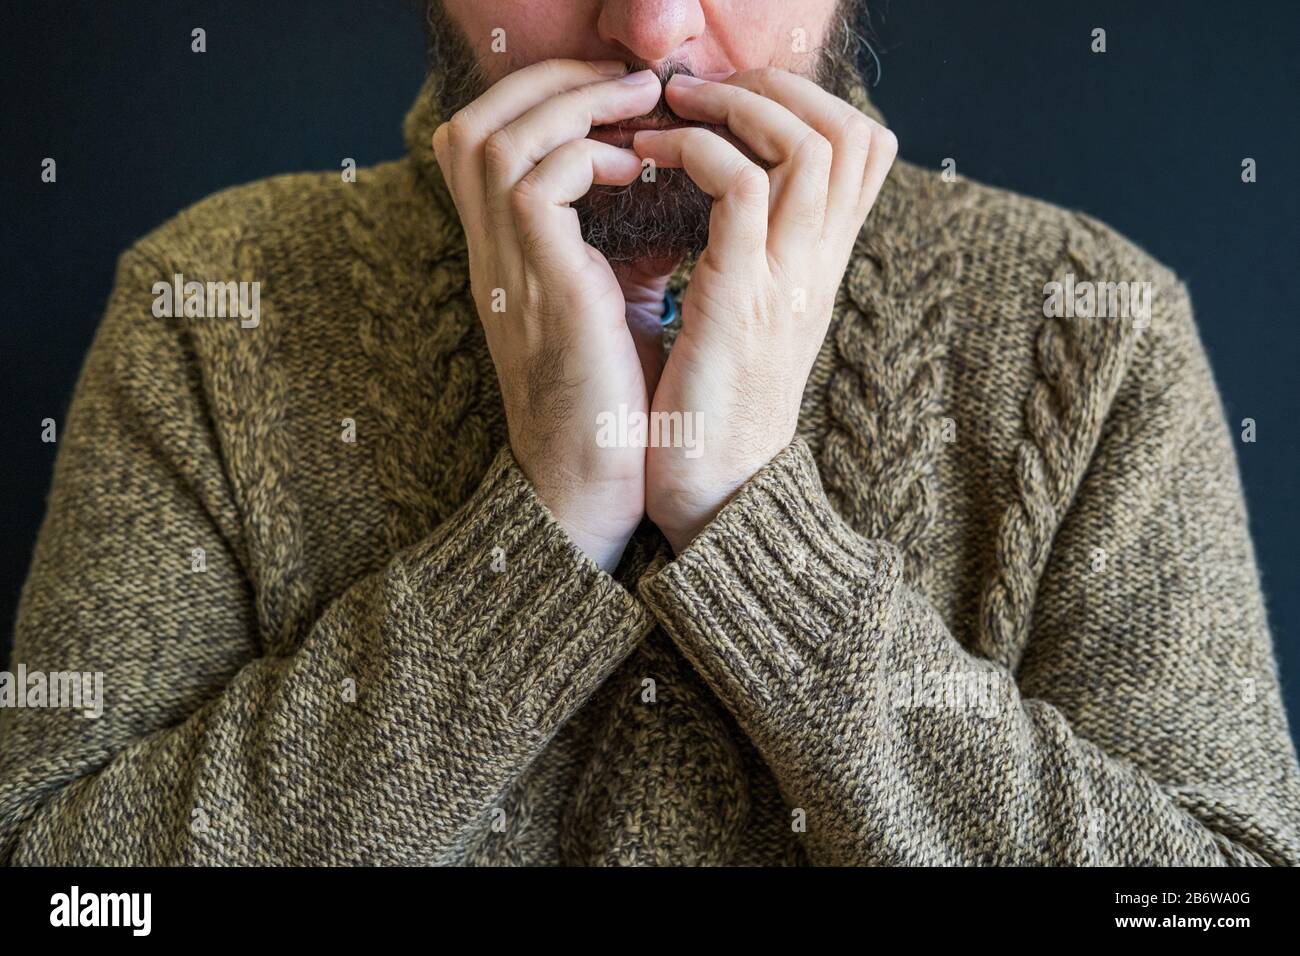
point(775, 576)
point(536, 624)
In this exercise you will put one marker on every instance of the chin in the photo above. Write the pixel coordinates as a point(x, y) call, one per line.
point(664, 220)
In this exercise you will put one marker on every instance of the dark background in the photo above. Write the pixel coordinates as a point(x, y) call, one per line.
point(1148, 137)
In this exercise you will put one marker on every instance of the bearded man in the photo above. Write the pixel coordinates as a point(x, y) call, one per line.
point(943, 576)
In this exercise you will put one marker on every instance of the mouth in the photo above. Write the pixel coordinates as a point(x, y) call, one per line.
point(620, 134)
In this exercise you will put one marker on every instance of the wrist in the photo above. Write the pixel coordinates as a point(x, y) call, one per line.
point(681, 515)
point(599, 521)
point(605, 550)
point(681, 525)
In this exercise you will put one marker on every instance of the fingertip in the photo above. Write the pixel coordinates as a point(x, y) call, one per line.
point(611, 180)
point(663, 145)
point(645, 136)
point(614, 165)
point(684, 81)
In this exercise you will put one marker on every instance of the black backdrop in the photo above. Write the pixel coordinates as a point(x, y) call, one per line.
point(1148, 137)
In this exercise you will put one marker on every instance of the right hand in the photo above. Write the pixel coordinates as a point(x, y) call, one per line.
point(551, 307)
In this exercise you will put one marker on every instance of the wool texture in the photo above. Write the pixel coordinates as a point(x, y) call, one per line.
point(996, 604)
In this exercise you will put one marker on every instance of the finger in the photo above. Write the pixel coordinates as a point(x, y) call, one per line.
point(800, 155)
point(546, 225)
point(880, 159)
point(738, 222)
point(512, 151)
point(849, 131)
point(458, 142)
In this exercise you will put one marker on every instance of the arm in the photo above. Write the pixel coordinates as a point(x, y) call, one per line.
point(1143, 726)
point(208, 752)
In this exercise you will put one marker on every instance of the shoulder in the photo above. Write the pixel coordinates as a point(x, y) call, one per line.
point(1012, 248)
point(999, 226)
point(297, 220)
point(1041, 322)
point(1021, 283)
point(280, 298)
point(307, 252)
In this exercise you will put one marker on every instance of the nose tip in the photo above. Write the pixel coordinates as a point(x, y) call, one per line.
point(651, 30)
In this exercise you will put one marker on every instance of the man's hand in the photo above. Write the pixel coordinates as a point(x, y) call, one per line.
point(552, 310)
point(760, 298)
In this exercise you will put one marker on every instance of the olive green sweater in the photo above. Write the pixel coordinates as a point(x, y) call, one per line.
point(997, 603)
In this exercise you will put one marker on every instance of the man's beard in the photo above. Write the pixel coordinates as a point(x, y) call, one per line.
point(662, 218)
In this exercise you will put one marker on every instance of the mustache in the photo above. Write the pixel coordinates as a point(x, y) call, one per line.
point(663, 114)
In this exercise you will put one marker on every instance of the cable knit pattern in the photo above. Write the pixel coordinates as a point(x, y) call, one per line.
point(419, 329)
point(1081, 363)
point(885, 398)
point(895, 645)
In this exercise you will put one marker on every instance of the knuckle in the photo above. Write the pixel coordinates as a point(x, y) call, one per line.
point(884, 139)
point(524, 196)
point(815, 150)
point(856, 131)
point(750, 182)
point(462, 127)
point(498, 149)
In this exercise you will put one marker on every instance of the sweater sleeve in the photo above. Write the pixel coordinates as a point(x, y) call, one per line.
point(1144, 725)
point(390, 735)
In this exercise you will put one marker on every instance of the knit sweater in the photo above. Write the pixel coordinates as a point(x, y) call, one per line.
point(996, 604)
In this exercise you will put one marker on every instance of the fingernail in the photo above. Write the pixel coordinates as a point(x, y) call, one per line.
point(681, 79)
point(644, 134)
point(718, 77)
point(609, 67)
point(640, 76)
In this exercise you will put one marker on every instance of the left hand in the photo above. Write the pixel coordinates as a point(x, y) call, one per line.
point(760, 297)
